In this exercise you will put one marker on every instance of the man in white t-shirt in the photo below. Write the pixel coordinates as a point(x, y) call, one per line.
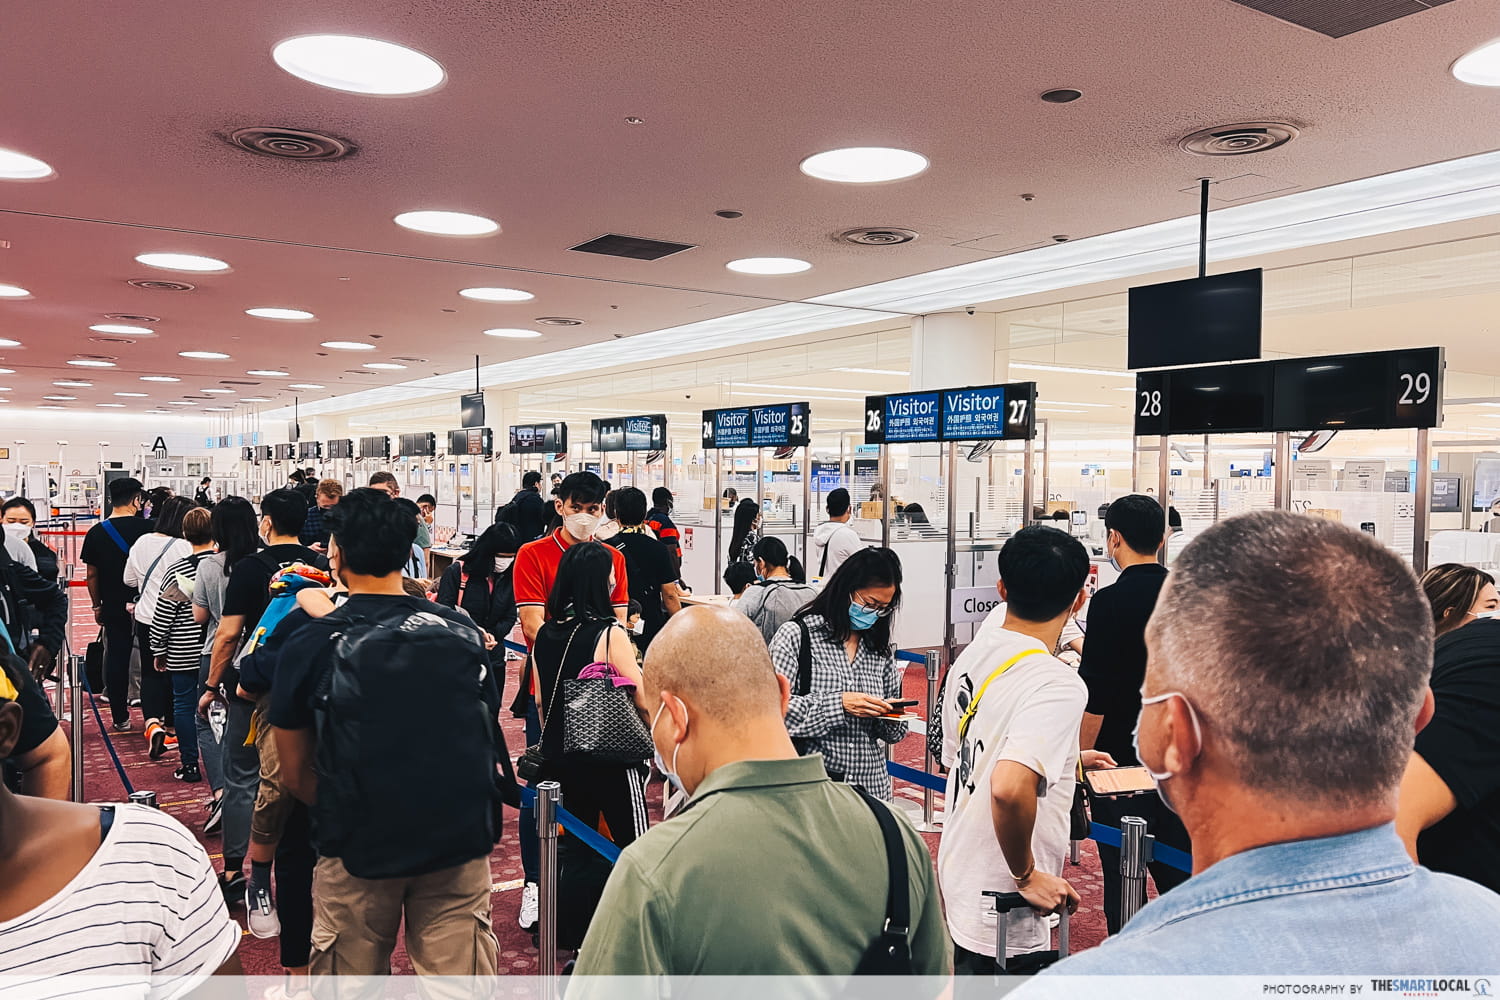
point(1011, 712)
point(835, 539)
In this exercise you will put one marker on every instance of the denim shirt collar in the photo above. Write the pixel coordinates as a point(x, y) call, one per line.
point(1366, 857)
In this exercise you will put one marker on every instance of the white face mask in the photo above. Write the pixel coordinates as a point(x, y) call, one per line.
point(581, 526)
point(1158, 778)
point(670, 773)
point(502, 563)
point(18, 531)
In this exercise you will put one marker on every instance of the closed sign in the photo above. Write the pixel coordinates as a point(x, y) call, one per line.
point(974, 604)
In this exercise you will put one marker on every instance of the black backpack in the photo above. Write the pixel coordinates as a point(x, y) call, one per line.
point(407, 747)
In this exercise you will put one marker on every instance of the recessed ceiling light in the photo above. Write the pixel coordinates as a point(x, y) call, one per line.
point(181, 262)
point(222, 391)
point(132, 395)
point(13, 292)
point(158, 412)
point(447, 223)
point(16, 166)
point(864, 165)
point(255, 399)
point(496, 294)
point(73, 384)
point(120, 328)
point(513, 334)
point(385, 366)
point(1481, 67)
point(358, 65)
point(160, 378)
point(178, 402)
point(91, 363)
point(768, 265)
point(4, 342)
point(7, 371)
point(268, 373)
point(217, 409)
point(203, 355)
point(348, 345)
point(304, 385)
point(109, 404)
point(60, 398)
point(272, 312)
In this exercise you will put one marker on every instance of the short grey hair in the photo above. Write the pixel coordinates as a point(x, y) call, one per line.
point(1306, 647)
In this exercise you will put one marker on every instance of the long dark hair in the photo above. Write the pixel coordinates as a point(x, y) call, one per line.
point(169, 514)
point(744, 516)
point(581, 589)
point(235, 529)
point(869, 567)
point(496, 540)
point(772, 551)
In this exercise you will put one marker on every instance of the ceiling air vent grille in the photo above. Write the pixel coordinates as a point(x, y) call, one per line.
point(1337, 18)
point(633, 247)
point(158, 285)
point(1237, 140)
point(133, 317)
point(877, 236)
point(289, 143)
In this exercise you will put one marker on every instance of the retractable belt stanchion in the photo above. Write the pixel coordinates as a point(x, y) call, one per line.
point(75, 725)
point(548, 798)
point(1135, 854)
point(929, 764)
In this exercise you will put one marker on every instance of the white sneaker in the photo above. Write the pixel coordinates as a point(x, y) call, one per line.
point(261, 915)
point(530, 905)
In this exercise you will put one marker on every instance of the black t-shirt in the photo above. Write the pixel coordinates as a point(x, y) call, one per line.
point(1114, 656)
point(248, 591)
point(108, 559)
point(1462, 744)
point(648, 565)
point(297, 677)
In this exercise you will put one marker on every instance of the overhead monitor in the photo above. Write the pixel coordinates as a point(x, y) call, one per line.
point(970, 413)
point(779, 426)
point(471, 409)
point(642, 433)
point(285, 452)
point(1374, 391)
point(312, 450)
point(422, 444)
point(538, 439)
point(1195, 321)
point(471, 441)
point(377, 446)
point(340, 448)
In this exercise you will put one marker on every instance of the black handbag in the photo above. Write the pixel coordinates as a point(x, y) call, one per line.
point(602, 723)
point(529, 765)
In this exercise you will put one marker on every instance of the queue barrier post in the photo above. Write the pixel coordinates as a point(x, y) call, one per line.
point(1073, 852)
point(1135, 854)
point(929, 764)
point(144, 797)
point(548, 800)
point(75, 725)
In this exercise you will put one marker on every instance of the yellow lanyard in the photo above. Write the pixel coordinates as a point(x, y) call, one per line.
point(968, 716)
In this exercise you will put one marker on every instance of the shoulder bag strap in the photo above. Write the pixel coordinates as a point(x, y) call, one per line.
point(114, 533)
point(895, 933)
point(556, 684)
point(146, 580)
point(968, 716)
point(804, 661)
point(823, 566)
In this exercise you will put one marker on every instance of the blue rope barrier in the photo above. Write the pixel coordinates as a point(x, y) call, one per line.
point(514, 647)
point(601, 844)
point(916, 777)
point(910, 657)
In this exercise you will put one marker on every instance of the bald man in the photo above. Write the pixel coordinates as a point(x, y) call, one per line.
point(770, 868)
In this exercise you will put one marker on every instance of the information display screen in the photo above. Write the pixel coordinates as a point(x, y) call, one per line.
point(643, 433)
point(340, 448)
point(781, 426)
point(310, 450)
point(247, 454)
point(471, 409)
point(471, 441)
point(418, 445)
point(263, 453)
point(378, 446)
point(974, 413)
point(1219, 400)
point(1196, 321)
point(538, 439)
point(285, 452)
point(1447, 494)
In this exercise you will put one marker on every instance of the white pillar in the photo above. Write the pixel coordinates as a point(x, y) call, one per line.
point(949, 350)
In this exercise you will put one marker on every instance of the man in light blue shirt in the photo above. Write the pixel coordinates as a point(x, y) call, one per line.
point(1286, 678)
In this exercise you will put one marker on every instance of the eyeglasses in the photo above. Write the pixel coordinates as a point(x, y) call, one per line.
point(881, 610)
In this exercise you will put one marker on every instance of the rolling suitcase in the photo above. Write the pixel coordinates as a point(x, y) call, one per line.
point(1030, 963)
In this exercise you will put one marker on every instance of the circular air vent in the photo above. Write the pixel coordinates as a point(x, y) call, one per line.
point(97, 357)
point(414, 361)
point(133, 317)
point(290, 143)
point(1237, 140)
point(107, 339)
point(158, 285)
point(878, 236)
point(559, 321)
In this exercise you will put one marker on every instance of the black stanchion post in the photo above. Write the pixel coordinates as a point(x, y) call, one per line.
point(144, 798)
point(548, 799)
point(1135, 855)
point(929, 764)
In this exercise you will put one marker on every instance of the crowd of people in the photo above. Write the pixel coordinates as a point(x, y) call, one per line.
point(1333, 771)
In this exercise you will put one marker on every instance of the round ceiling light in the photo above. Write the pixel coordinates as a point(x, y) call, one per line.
point(70, 384)
point(385, 366)
point(447, 223)
point(121, 328)
point(160, 378)
point(203, 355)
point(864, 165)
point(347, 345)
point(496, 294)
point(768, 265)
point(359, 65)
point(6, 342)
point(16, 166)
point(273, 312)
point(91, 363)
point(181, 262)
point(61, 398)
point(304, 385)
point(516, 334)
point(132, 395)
point(13, 292)
point(268, 373)
point(1481, 67)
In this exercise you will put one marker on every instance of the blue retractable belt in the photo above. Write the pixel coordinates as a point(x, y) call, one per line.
point(601, 844)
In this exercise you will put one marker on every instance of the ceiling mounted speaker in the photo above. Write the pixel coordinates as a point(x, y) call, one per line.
point(158, 285)
point(878, 236)
point(289, 143)
point(980, 451)
point(1238, 140)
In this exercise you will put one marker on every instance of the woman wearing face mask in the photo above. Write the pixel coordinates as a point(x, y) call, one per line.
point(746, 532)
point(19, 519)
point(837, 709)
point(480, 584)
point(582, 629)
point(1448, 812)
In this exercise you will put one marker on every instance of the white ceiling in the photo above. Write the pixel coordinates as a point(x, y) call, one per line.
point(530, 129)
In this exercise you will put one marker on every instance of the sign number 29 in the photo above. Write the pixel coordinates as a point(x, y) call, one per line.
point(1416, 389)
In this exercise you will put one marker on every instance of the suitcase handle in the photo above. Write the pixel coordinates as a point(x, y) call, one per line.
point(1004, 902)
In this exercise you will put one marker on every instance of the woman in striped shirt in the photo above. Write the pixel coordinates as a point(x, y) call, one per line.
point(177, 640)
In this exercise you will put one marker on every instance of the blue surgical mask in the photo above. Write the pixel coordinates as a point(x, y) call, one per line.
point(670, 773)
point(862, 618)
point(1159, 778)
point(1476, 614)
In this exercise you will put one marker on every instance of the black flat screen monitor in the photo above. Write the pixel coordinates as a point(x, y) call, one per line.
point(1231, 399)
point(471, 410)
point(1196, 321)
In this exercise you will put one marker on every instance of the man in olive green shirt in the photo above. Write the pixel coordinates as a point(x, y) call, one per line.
point(771, 868)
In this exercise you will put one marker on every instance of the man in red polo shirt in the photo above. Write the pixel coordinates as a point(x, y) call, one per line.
point(580, 503)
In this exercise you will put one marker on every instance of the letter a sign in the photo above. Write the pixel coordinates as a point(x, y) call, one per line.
point(159, 449)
